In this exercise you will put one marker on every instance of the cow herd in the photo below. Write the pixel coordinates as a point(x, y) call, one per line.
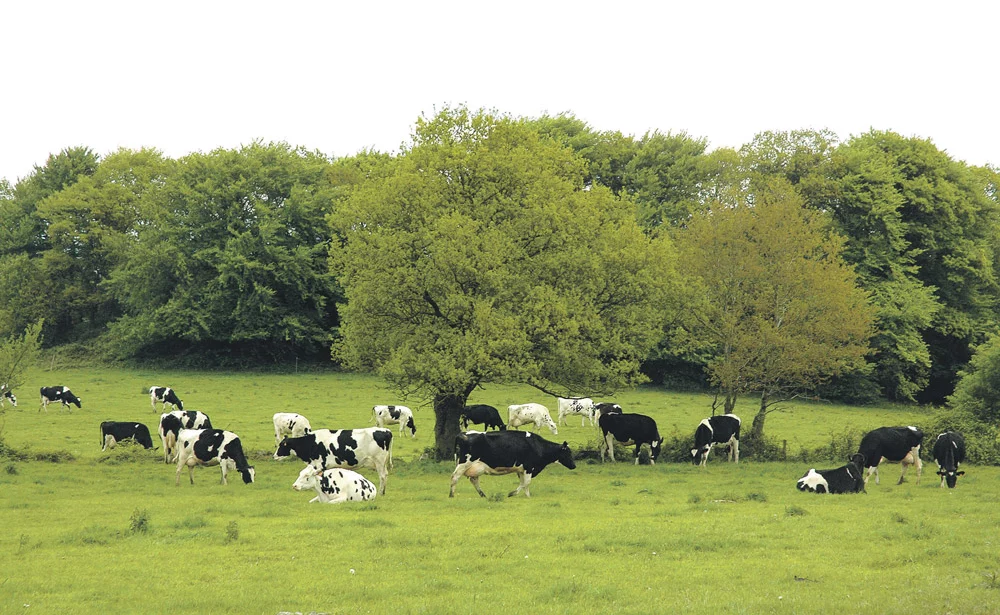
point(331, 456)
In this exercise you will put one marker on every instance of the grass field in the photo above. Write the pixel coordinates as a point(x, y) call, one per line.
point(110, 533)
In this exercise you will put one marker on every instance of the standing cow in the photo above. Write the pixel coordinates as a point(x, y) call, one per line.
point(289, 424)
point(894, 444)
point(488, 416)
point(61, 394)
point(165, 396)
point(949, 453)
point(719, 429)
point(345, 448)
point(506, 452)
point(392, 415)
point(113, 432)
point(211, 447)
point(171, 423)
point(335, 485)
point(525, 414)
point(8, 395)
point(629, 429)
point(584, 406)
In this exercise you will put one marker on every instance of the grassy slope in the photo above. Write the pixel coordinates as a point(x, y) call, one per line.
point(629, 539)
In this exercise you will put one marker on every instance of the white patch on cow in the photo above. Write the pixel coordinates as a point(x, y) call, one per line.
point(813, 480)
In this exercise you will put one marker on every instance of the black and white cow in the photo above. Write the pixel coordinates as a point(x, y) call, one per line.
point(392, 415)
point(845, 479)
point(949, 453)
point(165, 396)
point(719, 429)
point(345, 448)
point(7, 395)
point(527, 414)
point(113, 432)
point(289, 424)
point(335, 486)
point(51, 395)
point(481, 413)
point(584, 406)
point(893, 444)
point(171, 423)
point(606, 408)
point(506, 452)
point(210, 447)
point(628, 428)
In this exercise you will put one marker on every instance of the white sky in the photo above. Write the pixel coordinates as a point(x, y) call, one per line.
point(337, 76)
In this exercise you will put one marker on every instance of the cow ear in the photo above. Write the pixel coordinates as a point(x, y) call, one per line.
point(941, 472)
point(565, 444)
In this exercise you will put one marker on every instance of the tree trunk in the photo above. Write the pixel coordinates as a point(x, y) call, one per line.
point(447, 410)
point(756, 437)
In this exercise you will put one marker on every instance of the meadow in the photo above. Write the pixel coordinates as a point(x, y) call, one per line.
point(96, 532)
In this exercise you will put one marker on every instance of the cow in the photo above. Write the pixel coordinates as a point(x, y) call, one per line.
point(289, 424)
point(113, 432)
point(61, 394)
point(171, 423)
point(345, 448)
point(892, 444)
point(391, 415)
point(210, 447)
point(7, 394)
point(166, 396)
point(335, 485)
point(481, 413)
point(605, 408)
point(506, 452)
point(845, 479)
point(584, 406)
point(627, 428)
point(719, 429)
point(524, 414)
point(949, 453)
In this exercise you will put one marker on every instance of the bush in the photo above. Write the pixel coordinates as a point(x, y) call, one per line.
point(139, 522)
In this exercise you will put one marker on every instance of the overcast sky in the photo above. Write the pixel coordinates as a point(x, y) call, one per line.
point(338, 77)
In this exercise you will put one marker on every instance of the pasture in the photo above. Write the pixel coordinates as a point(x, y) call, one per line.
point(111, 533)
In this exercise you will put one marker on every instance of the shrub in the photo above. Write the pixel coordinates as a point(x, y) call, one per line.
point(232, 531)
point(139, 522)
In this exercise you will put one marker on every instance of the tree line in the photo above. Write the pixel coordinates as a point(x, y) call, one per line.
point(494, 248)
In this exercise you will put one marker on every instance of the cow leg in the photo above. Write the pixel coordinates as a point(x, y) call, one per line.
point(638, 449)
point(475, 483)
point(225, 469)
point(523, 479)
point(736, 450)
point(383, 478)
point(457, 474)
point(609, 443)
point(109, 442)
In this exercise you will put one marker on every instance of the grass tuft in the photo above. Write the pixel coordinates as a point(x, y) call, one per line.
point(795, 511)
point(232, 532)
point(139, 522)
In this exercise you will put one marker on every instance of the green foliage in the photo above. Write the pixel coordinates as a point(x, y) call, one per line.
point(665, 177)
point(232, 531)
point(139, 522)
point(978, 390)
point(982, 439)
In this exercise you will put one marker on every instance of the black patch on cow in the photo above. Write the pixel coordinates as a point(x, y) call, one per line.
point(206, 447)
point(346, 448)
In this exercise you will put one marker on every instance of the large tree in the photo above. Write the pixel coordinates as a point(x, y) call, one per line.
point(779, 310)
point(477, 256)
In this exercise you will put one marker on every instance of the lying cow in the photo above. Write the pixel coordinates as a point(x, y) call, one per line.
point(165, 396)
point(289, 424)
point(488, 416)
point(526, 414)
point(335, 486)
point(8, 395)
point(629, 429)
point(719, 429)
point(506, 452)
point(392, 415)
point(949, 453)
point(892, 444)
point(171, 423)
point(845, 479)
point(583, 406)
point(210, 447)
point(346, 448)
point(51, 395)
point(113, 432)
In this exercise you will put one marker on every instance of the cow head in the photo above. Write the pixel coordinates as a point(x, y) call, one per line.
point(949, 471)
point(699, 453)
point(308, 479)
point(654, 449)
point(565, 456)
point(284, 449)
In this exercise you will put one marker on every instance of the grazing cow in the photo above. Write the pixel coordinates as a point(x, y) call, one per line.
point(584, 406)
point(113, 432)
point(345, 448)
point(720, 429)
point(845, 479)
point(172, 423)
point(637, 429)
point(391, 415)
point(481, 413)
point(51, 395)
point(523, 414)
point(949, 453)
point(335, 486)
point(164, 395)
point(210, 447)
point(605, 408)
point(893, 444)
point(506, 452)
point(7, 394)
point(289, 424)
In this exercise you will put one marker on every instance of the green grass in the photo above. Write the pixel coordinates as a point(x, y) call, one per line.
point(110, 533)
